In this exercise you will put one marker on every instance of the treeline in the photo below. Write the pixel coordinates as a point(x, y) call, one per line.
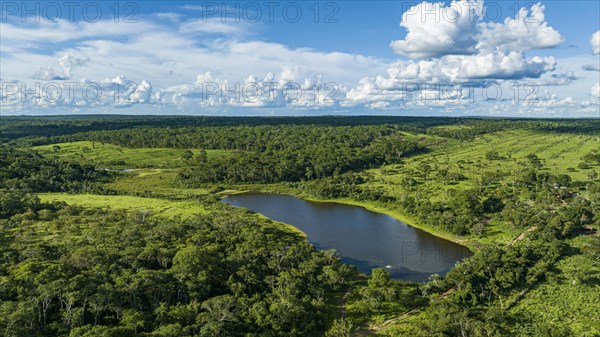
point(48, 129)
point(262, 138)
point(66, 271)
point(472, 128)
point(266, 154)
point(38, 128)
point(304, 154)
point(26, 170)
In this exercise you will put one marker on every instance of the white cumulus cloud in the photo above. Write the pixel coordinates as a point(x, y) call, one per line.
point(527, 31)
point(595, 92)
point(436, 29)
point(69, 63)
point(595, 42)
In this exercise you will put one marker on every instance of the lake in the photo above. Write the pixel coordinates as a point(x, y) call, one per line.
point(363, 238)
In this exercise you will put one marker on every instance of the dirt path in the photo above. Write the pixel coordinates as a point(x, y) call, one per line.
point(523, 235)
point(372, 329)
point(343, 301)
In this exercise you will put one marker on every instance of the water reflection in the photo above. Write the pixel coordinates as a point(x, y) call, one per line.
point(363, 238)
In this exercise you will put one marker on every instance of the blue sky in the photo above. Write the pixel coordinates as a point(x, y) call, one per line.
point(500, 58)
point(367, 27)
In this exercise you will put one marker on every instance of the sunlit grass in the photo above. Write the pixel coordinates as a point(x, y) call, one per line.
point(560, 154)
point(153, 182)
point(155, 206)
point(112, 156)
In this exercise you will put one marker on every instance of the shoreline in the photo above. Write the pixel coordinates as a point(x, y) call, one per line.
point(471, 245)
point(400, 217)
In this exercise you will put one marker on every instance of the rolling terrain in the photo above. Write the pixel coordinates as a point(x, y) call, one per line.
point(522, 195)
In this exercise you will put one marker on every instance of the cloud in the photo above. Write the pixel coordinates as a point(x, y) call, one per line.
point(48, 73)
point(455, 69)
point(69, 63)
point(436, 30)
point(591, 67)
point(122, 91)
point(527, 31)
point(499, 65)
point(595, 91)
point(117, 92)
point(157, 66)
point(458, 50)
point(61, 31)
point(168, 55)
point(595, 42)
point(271, 90)
point(173, 17)
point(558, 79)
point(451, 29)
point(549, 100)
point(211, 26)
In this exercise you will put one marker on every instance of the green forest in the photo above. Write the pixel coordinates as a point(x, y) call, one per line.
point(114, 226)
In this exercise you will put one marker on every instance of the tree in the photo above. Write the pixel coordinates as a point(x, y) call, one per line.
point(592, 158)
point(202, 157)
point(340, 328)
point(220, 312)
point(563, 180)
point(492, 205)
point(534, 160)
point(493, 155)
point(187, 155)
point(380, 278)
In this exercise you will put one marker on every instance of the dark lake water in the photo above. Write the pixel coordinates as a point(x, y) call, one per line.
point(363, 238)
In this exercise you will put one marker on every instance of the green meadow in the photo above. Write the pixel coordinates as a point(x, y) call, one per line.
point(153, 182)
point(518, 193)
point(154, 171)
point(154, 206)
point(559, 154)
point(117, 157)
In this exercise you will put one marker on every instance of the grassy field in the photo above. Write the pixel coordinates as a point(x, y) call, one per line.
point(154, 182)
point(117, 157)
point(155, 206)
point(559, 153)
point(153, 171)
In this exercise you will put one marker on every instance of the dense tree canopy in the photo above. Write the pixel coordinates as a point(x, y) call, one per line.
point(26, 170)
point(72, 271)
point(112, 274)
